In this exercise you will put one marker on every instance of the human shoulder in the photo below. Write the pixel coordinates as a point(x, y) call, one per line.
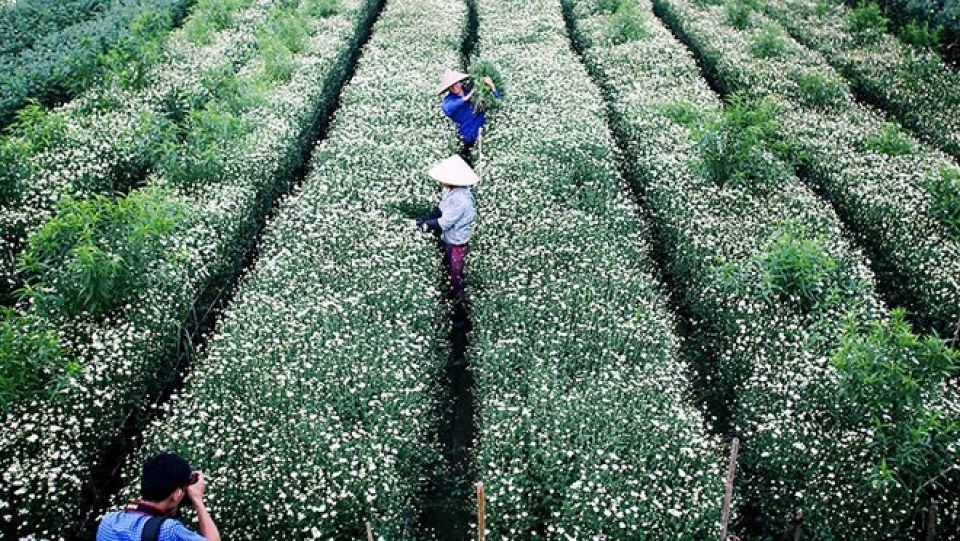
point(119, 526)
point(174, 530)
point(452, 102)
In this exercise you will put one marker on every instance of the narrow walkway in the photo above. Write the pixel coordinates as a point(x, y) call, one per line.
point(447, 502)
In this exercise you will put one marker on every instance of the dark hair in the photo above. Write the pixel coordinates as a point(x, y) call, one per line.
point(163, 473)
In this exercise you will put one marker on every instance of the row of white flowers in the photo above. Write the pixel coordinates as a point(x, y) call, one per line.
point(105, 136)
point(584, 425)
point(318, 395)
point(911, 83)
point(885, 199)
point(48, 449)
point(770, 358)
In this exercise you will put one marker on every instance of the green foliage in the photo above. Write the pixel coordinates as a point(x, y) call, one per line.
point(196, 156)
point(322, 8)
point(35, 130)
point(25, 22)
point(94, 255)
point(922, 36)
point(210, 18)
point(685, 114)
point(627, 24)
point(32, 362)
point(888, 376)
point(740, 148)
point(822, 8)
point(739, 12)
point(131, 59)
point(482, 95)
point(290, 28)
point(65, 63)
point(38, 128)
point(14, 167)
point(220, 13)
point(769, 44)
point(945, 190)
point(608, 6)
point(200, 30)
point(867, 22)
point(817, 91)
point(891, 142)
point(278, 61)
point(799, 271)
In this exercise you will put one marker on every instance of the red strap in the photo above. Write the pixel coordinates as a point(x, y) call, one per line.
point(147, 508)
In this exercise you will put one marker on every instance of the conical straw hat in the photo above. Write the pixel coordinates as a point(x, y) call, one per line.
point(449, 77)
point(454, 171)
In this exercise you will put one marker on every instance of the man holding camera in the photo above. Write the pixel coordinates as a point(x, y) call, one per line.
point(167, 481)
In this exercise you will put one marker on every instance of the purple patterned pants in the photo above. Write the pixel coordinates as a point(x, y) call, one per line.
point(455, 257)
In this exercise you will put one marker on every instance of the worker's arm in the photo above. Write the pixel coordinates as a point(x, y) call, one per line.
point(208, 528)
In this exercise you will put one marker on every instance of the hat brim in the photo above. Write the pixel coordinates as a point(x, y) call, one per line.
point(454, 171)
point(449, 79)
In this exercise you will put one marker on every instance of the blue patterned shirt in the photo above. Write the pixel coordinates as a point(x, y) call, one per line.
point(128, 526)
point(457, 206)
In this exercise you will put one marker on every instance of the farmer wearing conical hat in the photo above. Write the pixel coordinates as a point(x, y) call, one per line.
point(453, 218)
point(456, 105)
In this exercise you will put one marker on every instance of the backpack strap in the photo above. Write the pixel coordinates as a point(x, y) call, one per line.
point(151, 530)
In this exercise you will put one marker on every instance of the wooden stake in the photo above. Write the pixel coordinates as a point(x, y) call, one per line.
point(481, 513)
point(932, 521)
point(731, 470)
point(369, 532)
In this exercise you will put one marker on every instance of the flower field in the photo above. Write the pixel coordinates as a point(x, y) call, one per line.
point(697, 220)
point(584, 428)
point(898, 198)
point(767, 347)
point(905, 80)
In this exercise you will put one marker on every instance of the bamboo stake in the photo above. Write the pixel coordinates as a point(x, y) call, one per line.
point(369, 532)
point(481, 513)
point(932, 521)
point(731, 470)
point(480, 153)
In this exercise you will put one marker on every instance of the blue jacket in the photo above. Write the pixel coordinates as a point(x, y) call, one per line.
point(461, 112)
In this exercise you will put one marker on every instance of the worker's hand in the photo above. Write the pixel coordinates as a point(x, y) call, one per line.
point(489, 82)
point(195, 490)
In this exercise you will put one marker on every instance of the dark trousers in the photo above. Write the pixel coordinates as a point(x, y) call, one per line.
point(455, 258)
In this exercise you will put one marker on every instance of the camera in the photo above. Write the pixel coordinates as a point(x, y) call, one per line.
point(194, 478)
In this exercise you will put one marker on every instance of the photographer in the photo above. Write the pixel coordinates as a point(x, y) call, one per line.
point(167, 481)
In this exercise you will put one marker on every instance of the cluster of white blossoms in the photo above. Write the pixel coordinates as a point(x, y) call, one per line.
point(317, 396)
point(911, 83)
point(883, 195)
point(126, 357)
point(767, 353)
point(104, 136)
point(585, 427)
